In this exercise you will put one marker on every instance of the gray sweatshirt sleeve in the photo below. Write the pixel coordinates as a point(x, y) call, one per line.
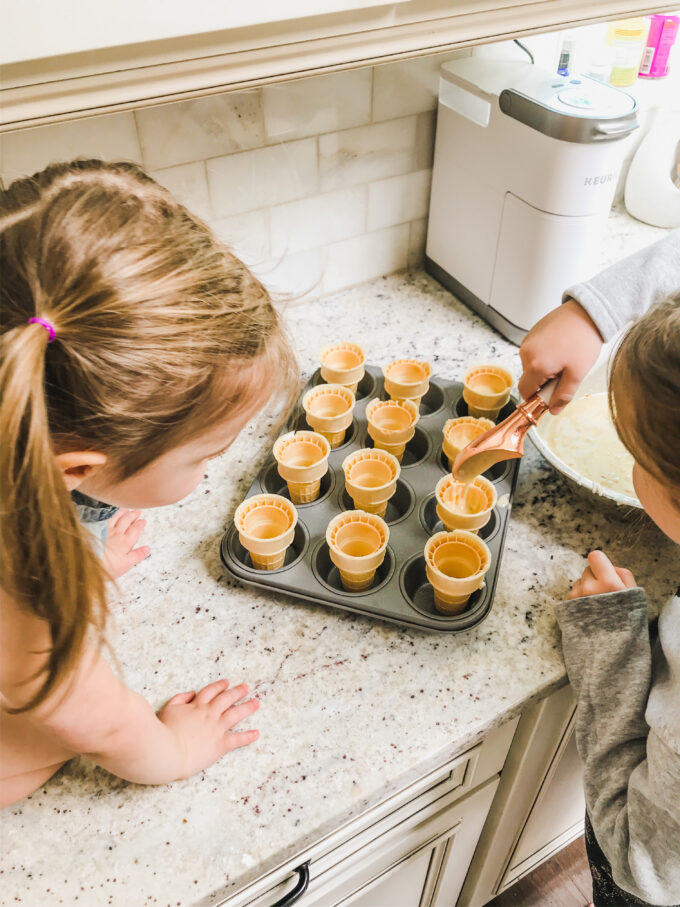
point(628, 288)
point(631, 775)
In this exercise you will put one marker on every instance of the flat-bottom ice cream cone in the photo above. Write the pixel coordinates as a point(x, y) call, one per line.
point(268, 561)
point(391, 425)
point(486, 390)
point(329, 411)
point(461, 506)
point(458, 433)
point(344, 364)
point(302, 460)
point(371, 479)
point(455, 563)
point(266, 527)
point(407, 379)
point(357, 542)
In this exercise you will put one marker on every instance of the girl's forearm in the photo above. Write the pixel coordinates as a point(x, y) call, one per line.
point(139, 747)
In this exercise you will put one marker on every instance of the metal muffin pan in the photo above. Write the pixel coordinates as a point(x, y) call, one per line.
point(400, 592)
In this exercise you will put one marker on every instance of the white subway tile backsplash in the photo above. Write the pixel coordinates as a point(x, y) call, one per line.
point(207, 127)
point(318, 220)
point(112, 137)
point(189, 184)
point(316, 184)
point(399, 199)
point(247, 235)
point(263, 177)
point(297, 276)
point(365, 257)
point(317, 104)
point(410, 86)
point(367, 153)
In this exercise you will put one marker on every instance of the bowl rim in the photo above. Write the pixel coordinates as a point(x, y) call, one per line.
point(595, 488)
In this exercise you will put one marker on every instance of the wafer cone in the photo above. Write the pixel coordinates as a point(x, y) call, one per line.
point(357, 542)
point(343, 363)
point(407, 379)
point(455, 563)
point(392, 424)
point(266, 526)
point(371, 479)
point(329, 411)
point(459, 432)
point(461, 506)
point(486, 390)
point(302, 459)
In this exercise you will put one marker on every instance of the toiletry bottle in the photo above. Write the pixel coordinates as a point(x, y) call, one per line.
point(663, 30)
point(628, 38)
point(565, 64)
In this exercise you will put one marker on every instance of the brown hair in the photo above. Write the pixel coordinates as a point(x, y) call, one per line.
point(156, 323)
point(644, 392)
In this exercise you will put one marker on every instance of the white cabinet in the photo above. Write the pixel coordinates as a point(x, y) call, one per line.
point(412, 850)
point(540, 805)
point(83, 64)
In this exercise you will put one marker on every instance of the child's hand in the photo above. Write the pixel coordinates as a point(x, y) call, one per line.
point(564, 342)
point(601, 576)
point(120, 554)
point(202, 722)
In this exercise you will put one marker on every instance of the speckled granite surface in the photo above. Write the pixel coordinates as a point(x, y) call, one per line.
point(351, 708)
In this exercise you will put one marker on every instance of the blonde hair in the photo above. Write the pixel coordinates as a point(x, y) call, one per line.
point(644, 392)
point(157, 324)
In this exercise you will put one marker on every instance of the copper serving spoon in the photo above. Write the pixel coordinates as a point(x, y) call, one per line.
point(504, 441)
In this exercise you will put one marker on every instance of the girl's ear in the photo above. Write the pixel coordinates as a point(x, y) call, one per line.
point(77, 464)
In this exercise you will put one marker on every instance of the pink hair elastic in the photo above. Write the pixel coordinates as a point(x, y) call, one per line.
point(47, 325)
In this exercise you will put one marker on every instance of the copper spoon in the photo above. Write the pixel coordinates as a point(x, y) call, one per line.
point(504, 441)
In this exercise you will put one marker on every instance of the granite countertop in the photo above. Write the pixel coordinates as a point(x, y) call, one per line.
point(352, 709)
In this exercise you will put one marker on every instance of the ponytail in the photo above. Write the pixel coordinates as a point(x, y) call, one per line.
point(48, 565)
point(157, 325)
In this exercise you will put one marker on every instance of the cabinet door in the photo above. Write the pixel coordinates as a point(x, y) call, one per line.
point(401, 869)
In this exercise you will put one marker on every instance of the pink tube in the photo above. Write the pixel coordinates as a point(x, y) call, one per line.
point(663, 30)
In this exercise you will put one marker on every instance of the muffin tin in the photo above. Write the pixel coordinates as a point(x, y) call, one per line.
point(400, 593)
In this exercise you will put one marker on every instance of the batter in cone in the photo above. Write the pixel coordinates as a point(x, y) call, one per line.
point(458, 433)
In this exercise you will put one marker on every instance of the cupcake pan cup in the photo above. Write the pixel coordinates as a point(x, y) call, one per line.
point(400, 593)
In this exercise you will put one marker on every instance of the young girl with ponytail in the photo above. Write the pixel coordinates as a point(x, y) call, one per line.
point(135, 347)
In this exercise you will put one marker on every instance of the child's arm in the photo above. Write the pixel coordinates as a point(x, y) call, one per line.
point(95, 714)
point(567, 340)
point(631, 770)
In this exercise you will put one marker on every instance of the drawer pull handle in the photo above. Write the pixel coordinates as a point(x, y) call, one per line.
point(300, 887)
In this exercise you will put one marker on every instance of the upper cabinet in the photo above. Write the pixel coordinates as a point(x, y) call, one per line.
point(62, 61)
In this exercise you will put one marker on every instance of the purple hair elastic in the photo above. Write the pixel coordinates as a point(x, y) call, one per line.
point(47, 325)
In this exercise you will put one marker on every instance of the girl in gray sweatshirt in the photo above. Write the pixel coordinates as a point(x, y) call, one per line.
point(626, 678)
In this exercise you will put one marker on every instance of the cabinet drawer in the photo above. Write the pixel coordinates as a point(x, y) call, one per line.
point(453, 781)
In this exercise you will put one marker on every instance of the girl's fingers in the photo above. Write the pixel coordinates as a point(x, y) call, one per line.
point(564, 392)
point(532, 378)
point(626, 577)
point(137, 555)
point(181, 698)
point(126, 520)
point(603, 569)
point(228, 698)
point(207, 694)
point(237, 713)
point(134, 530)
point(239, 738)
point(113, 522)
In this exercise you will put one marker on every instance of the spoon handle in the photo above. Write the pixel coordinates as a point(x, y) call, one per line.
point(546, 392)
